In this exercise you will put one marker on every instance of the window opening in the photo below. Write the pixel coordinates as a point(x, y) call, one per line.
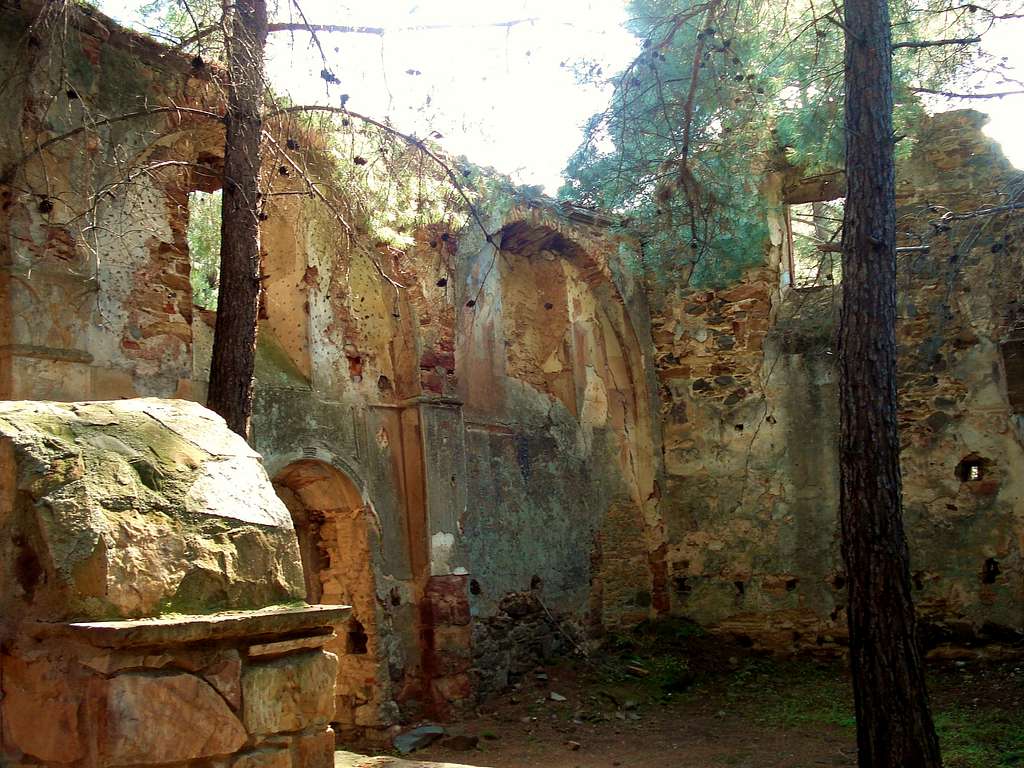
point(815, 231)
point(204, 214)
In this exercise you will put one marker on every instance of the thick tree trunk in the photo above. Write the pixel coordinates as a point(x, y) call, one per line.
point(234, 340)
point(894, 725)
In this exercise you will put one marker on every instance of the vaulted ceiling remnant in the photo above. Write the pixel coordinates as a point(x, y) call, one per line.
point(530, 239)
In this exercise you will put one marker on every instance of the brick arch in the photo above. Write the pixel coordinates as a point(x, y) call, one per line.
point(607, 385)
point(337, 540)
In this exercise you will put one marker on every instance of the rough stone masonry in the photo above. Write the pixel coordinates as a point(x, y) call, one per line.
point(150, 587)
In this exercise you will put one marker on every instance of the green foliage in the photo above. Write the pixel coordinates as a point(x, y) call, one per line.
point(792, 694)
point(653, 658)
point(179, 21)
point(204, 212)
point(721, 93)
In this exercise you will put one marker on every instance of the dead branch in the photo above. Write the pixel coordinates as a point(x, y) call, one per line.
point(360, 30)
point(953, 95)
point(935, 43)
point(993, 211)
point(315, 191)
point(5, 176)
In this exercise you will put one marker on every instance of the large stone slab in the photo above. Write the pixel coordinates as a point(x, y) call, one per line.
point(344, 759)
point(178, 630)
point(167, 718)
point(289, 694)
point(135, 508)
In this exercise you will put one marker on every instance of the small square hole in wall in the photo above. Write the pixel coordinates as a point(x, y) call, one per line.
point(989, 571)
point(971, 469)
point(355, 639)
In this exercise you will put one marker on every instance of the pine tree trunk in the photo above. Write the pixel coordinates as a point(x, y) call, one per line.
point(894, 725)
point(234, 340)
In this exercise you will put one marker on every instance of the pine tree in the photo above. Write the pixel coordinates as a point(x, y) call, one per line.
point(894, 724)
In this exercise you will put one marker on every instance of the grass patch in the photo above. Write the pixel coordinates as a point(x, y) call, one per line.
point(791, 694)
point(989, 738)
point(807, 695)
point(977, 709)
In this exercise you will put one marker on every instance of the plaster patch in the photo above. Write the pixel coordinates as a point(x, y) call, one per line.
point(441, 547)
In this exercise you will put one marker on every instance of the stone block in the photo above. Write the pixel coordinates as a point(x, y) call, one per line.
point(141, 506)
point(367, 715)
point(448, 600)
point(40, 712)
point(282, 647)
point(314, 750)
point(454, 689)
point(225, 675)
point(292, 693)
point(166, 718)
point(266, 758)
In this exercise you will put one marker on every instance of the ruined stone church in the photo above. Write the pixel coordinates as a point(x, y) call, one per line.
point(490, 455)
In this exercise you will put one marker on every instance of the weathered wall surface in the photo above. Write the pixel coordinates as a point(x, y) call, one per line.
point(749, 403)
point(491, 419)
point(553, 370)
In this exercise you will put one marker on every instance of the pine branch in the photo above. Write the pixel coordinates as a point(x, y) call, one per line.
point(412, 141)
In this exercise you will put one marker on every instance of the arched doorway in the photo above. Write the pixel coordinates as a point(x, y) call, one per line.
point(336, 541)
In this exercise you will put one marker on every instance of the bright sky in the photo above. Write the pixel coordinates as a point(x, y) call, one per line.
point(502, 96)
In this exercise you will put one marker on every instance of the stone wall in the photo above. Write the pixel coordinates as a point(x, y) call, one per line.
point(435, 436)
point(522, 635)
point(149, 596)
point(749, 402)
point(251, 689)
point(94, 270)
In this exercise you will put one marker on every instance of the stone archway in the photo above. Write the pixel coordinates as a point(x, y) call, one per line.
point(336, 540)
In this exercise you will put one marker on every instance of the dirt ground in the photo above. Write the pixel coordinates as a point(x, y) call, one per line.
point(613, 725)
point(718, 707)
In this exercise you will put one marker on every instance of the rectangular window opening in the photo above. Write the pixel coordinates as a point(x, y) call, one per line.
point(204, 214)
point(815, 232)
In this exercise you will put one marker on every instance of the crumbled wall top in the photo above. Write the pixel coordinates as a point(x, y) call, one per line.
point(136, 508)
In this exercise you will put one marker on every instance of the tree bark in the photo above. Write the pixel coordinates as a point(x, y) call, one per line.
point(234, 340)
point(894, 724)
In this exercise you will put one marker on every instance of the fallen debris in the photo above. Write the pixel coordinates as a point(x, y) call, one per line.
point(417, 738)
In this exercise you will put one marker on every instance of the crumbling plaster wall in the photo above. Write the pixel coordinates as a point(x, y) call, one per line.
point(750, 418)
point(93, 261)
point(95, 298)
point(556, 381)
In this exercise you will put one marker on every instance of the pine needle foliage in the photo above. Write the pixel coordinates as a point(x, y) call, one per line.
point(723, 92)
